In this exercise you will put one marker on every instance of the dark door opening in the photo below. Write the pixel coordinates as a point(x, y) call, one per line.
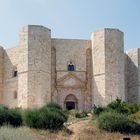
point(70, 105)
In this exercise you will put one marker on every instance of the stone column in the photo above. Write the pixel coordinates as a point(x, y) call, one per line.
point(108, 66)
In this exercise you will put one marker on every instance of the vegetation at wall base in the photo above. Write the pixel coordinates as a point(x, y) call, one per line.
point(118, 106)
point(54, 105)
point(115, 122)
point(135, 117)
point(48, 117)
point(118, 116)
point(10, 116)
point(81, 114)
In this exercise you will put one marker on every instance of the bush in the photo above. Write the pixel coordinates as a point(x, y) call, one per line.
point(14, 117)
point(54, 105)
point(115, 104)
point(98, 110)
point(10, 116)
point(123, 107)
point(47, 117)
point(81, 114)
point(133, 108)
point(115, 122)
point(3, 107)
point(3, 115)
point(31, 118)
point(135, 116)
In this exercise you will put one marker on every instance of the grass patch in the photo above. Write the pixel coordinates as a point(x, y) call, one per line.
point(10, 133)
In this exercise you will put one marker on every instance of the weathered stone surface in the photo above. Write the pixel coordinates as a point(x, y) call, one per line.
point(102, 71)
point(133, 75)
point(108, 66)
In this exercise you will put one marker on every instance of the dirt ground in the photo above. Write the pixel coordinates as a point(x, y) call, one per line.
point(80, 130)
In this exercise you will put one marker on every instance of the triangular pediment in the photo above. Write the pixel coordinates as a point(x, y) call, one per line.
point(70, 80)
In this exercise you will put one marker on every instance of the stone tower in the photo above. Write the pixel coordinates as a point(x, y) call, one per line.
point(108, 66)
point(37, 69)
point(39, 65)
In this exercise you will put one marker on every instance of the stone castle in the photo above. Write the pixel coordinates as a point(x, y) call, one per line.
point(74, 73)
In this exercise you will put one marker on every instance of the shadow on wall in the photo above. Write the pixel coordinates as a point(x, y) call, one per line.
point(10, 80)
point(132, 81)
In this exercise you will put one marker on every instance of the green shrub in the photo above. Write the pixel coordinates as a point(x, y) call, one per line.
point(135, 116)
point(119, 106)
point(115, 122)
point(123, 107)
point(31, 118)
point(133, 108)
point(54, 105)
point(14, 117)
point(45, 118)
point(3, 107)
point(81, 114)
point(3, 115)
point(10, 116)
point(63, 113)
point(115, 104)
point(100, 109)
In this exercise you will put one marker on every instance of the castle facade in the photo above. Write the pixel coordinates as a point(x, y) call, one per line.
point(73, 73)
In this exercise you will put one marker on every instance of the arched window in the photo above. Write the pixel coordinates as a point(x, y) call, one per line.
point(71, 67)
point(15, 94)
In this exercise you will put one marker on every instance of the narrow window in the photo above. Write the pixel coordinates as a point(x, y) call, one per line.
point(15, 95)
point(15, 72)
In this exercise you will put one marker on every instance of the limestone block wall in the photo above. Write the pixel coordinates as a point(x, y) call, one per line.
point(114, 58)
point(133, 75)
point(71, 50)
point(39, 65)
point(1, 72)
point(15, 88)
point(78, 52)
point(98, 54)
point(108, 66)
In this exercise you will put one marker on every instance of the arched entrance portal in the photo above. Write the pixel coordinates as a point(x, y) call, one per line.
point(71, 102)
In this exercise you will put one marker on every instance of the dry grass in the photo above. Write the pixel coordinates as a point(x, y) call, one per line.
point(10, 133)
point(51, 135)
point(82, 130)
point(90, 132)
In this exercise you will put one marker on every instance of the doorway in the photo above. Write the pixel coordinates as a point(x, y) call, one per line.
point(71, 102)
point(70, 105)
